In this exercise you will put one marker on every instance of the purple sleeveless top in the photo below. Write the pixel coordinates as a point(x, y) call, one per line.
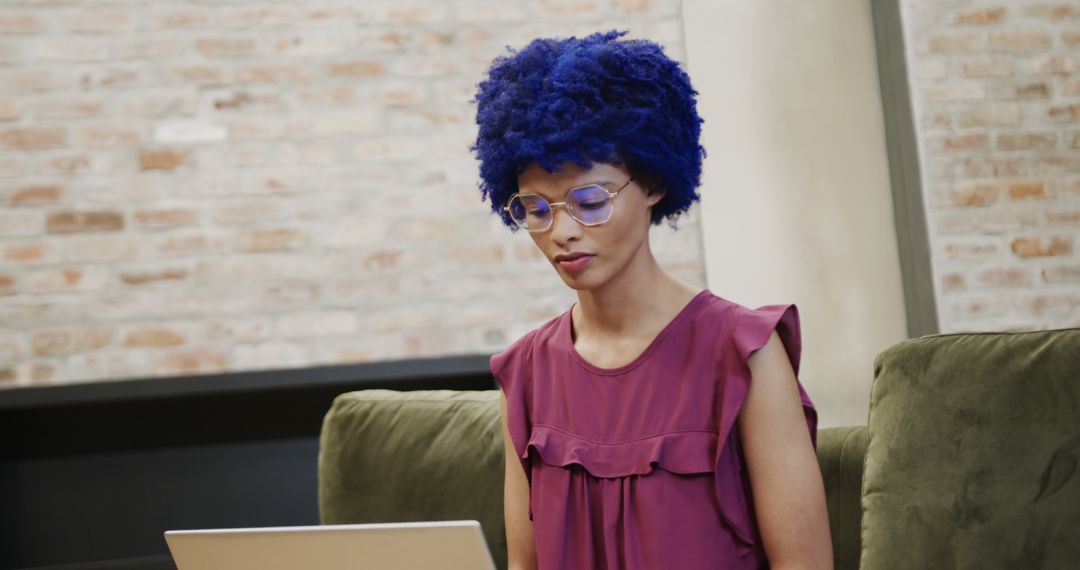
point(640, 466)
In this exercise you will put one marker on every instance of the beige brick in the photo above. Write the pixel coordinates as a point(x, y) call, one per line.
point(68, 341)
point(354, 69)
point(198, 74)
point(11, 166)
point(32, 138)
point(166, 217)
point(971, 250)
point(30, 81)
point(256, 16)
point(951, 282)
point(99, 21)
point(396, 319)
point(567, 8)
point(66, 279)
point(995, 114)
point(161, 159)
point(1053, 11)
point(1071, 38)
point(1064, 113)
point(1019, 89)
point(71, 48)
point(298, 293)
point(489, 11)
point(1059, 162)
point(69, 108)
point(1062, 273)
point(979, 16)
point(249, 211)
point(947, 43)
point(158, 47)
point(29, 253)
point(1004, 277)
point(153, 276)
point(1028, 191)
point(1063, 217)
point(116, 76)
point(1020, 41)
point(978, 194)
point(317, 323)
point(10, 110)
point(74, 222)
point(1026, 140)
point(954, 91)
point(21, 222)
point(1052, 303)
point(979, 307)
point(226, 47)
point(106, 135)
point(70, 163)
point(282, 72)
point(277, 239)
point(960, 143)
point(179, 18)
point(986, 66)
point(1053, 63)
point(270, 354)
point(21, 22)
point(174, 243)
point(153, 337)
point(102, 247)
point(35, 195)
point(1045, 246)
point(196, 360)
point(410, 66)
point(239, 329)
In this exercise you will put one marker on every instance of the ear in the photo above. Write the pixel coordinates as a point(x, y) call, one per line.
point(654, 197)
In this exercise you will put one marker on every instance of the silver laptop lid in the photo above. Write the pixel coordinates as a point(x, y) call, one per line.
point(447, 545)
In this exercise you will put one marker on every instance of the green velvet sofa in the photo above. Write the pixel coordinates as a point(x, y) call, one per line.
point(970, 457)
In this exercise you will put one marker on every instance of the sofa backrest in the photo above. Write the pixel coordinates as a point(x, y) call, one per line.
point(974, 453)
point(390, 456)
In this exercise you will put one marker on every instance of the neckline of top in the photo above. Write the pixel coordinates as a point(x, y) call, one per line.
point(568, 338)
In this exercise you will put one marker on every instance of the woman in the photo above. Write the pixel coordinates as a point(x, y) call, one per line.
point(653, 425)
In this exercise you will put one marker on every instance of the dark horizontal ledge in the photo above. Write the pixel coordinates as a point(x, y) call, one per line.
point(129, 415)
point(238, 382)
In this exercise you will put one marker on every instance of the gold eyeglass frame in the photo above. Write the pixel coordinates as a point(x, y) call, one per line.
point(569, 210)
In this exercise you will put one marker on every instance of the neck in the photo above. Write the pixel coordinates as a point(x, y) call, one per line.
point(632, 301)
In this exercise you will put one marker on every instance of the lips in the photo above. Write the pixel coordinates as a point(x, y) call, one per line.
point(573, 262)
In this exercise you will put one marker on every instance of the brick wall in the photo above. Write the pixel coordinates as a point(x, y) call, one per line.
point(192, 187)
point(996, 91)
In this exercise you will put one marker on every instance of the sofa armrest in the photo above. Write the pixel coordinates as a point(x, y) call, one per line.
point(841, 452)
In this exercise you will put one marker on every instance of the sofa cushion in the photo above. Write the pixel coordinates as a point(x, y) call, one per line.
point(973, 453)
point(390, 456)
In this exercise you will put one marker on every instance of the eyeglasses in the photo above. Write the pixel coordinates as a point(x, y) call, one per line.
point(589, 205)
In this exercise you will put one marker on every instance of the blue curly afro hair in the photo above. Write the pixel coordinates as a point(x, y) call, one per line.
point(588, 100)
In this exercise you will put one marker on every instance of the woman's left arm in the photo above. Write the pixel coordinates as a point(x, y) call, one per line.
point(789, 495)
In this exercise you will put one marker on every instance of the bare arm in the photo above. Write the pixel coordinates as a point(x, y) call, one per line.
point(789, 495)
point(520, 545)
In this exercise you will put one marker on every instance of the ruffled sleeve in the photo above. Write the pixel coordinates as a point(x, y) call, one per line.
point(749, 331)
point(510, 369)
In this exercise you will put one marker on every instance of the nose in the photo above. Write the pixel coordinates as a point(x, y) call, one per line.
point(564, 228)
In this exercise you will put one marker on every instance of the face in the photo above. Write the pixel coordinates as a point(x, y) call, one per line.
point(588, 257)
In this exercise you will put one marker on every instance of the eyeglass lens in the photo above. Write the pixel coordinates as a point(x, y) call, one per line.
point(590, 205)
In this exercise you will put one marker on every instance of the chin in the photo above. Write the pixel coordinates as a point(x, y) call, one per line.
point(585, 281)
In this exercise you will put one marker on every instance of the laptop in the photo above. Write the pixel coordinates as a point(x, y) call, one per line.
point(445, 545)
